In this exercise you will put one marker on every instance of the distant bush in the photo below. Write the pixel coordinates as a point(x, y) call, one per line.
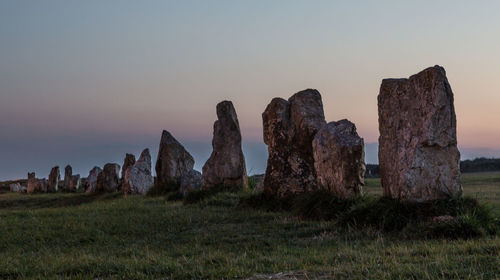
point(480, 165)
point(466, 166)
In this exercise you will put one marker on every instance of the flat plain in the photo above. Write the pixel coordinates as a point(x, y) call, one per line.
point(79, 236)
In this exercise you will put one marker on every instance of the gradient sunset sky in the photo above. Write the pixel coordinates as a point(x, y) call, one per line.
point(84, 82)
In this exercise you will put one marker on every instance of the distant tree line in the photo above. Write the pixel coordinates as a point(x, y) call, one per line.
point(475, 165)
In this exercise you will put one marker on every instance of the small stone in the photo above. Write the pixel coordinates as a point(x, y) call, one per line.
point(443, 219)
point(191, 181)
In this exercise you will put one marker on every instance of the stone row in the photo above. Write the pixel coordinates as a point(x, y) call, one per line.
point(418, 154)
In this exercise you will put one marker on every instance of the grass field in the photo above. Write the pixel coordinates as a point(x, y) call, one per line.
point(82, 236)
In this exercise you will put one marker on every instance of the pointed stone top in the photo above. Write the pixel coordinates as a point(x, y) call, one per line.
point(145, 156)
point(168, 138)
point(226, 112)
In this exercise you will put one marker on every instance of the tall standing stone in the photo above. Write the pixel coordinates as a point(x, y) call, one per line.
point(33, 184)
point(109, 179)
point(68, 178)
point(54, 178)
point(92, 179)
point(289, 129)
point(138, 178)
point(71, 182)
point(76, 183)
point(36, 185)
point(418, 155)
point(127, 162)
point(173, 161)
point(226, 165)
point(339, 159)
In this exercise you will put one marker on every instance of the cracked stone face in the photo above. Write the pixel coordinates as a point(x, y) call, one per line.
point(418, 155)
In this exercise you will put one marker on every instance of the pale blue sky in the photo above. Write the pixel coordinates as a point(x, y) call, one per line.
point(86, 81)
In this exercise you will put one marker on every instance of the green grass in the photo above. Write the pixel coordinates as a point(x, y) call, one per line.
point(84, 236)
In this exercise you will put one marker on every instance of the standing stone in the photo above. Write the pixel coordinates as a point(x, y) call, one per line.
point(92, 179)
point(289, 129)
point(226, 165)
point(138, 178)
point(109, 179)
point(127, 162)
point(76, 183)
point(16, 187)
point(35, 185)
point(42, 185)
point(68, 177)
point(54, 178)
point(32, 183)
point(191, 181)
point(418, 155)
point(339, 159)
point(71, 182)
point(173, 161)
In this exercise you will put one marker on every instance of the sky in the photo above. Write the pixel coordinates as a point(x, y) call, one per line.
point(84, 82)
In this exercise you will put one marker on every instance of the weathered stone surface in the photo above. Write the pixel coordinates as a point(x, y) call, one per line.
point(138, 178)
point(226, 165)
point(54, 178)
point(173, 161)
point(339, 159)
point(36, 185)
point(289, 128)
point(16, 187)
point(91, 184)
point(191, 181)
point(109, 179)
point(418, 155)
point(127, 162)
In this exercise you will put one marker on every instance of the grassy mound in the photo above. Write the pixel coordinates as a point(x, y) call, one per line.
point(463, 217)
point(204, 194)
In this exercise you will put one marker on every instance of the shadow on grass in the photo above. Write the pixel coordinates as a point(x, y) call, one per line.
point(37, 201)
